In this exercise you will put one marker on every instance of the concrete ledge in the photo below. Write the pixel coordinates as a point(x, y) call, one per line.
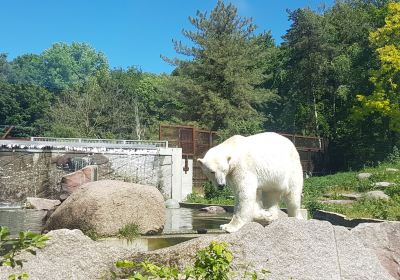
point(230, 208)
point(341, 220)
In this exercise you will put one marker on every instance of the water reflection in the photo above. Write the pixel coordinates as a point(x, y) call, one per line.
point(185, 219)
point(17, 219)
point(182, 220)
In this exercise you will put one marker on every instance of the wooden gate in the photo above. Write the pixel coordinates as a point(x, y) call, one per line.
point(194, 143)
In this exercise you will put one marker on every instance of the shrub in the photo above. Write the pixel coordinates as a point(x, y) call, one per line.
point(213, 262)
point(129, 232)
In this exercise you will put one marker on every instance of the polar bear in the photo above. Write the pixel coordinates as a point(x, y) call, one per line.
point(261, 169)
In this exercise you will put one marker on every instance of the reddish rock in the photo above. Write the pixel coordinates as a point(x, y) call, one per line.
point(70, 182)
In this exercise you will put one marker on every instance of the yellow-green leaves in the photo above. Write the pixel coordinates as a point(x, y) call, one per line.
point(385, 98)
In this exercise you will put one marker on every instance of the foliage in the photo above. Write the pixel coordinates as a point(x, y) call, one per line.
point(71, 65)
point(129, 232)
point(9, 247)
point(316, 187)
point(211, 191)
point(197, 198)
point(212, 262)
point(24, 105)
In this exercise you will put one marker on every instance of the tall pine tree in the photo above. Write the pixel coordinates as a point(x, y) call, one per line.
point(221, 81)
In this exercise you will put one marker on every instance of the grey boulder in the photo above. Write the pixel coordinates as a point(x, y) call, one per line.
point(384, 240)
point(69, 254)
point(289, 249)
point(104, 207)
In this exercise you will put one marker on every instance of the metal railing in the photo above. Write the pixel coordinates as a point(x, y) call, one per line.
point(112, 142)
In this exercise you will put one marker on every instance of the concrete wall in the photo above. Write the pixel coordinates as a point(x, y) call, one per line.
point(38, 172)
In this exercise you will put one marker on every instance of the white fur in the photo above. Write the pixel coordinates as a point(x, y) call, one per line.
point(261, 169)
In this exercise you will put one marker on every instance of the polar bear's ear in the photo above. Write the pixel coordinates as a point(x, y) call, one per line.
point(229, 158)
point(200, 160)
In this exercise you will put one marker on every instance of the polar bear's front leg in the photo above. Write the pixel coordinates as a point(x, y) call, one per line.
point(245, 207)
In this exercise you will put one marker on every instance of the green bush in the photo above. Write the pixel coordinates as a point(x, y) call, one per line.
point(211, 192)
point(129, 232)
point(213, 262)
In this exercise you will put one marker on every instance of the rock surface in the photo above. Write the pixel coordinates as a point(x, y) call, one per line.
point(70, 182)
point(106, 206)
point(392, 169)
point(213, 209)
point(41, 203)
point(364, 176)
point(352, 196)
point(384, 240)
point(337, 201)
point(69, 254)
point(383, 184)
point(377, 195)
point(288, 248)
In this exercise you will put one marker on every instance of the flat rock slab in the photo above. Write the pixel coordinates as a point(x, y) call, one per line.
point(351, 196)
point(41, 203)
point(377, 195)
point(383, 184)
point(364, 176)
point(288, 248)
point(392, 170)
point(337, 201)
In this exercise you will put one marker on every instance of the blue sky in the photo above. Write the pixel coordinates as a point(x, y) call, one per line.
point(128, 32)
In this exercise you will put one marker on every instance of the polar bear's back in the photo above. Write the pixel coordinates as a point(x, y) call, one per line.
point(269, 153)
point(268, 144)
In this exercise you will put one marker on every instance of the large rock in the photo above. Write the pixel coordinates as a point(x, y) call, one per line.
point(69, 254)
point(104, 207)
point(289, 249)
point(384, 240)
point(41, 203)
point(70, 182)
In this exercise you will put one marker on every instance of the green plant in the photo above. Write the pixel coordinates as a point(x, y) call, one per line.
point(211, 191)
point(9, 247)
point(212, 262)
point(213, 195)
point(129, 232)
point(92, 234)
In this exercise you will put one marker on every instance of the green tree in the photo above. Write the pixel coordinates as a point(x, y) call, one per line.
point(70, 65)
point(24, 105)
point(28, 69)
point(4, 67)
point(221, 82)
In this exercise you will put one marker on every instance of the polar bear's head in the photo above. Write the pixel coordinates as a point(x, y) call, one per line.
point(216, 168)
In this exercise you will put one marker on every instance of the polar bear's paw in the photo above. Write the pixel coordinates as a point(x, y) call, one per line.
point(229, 228)
point(265, 216)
